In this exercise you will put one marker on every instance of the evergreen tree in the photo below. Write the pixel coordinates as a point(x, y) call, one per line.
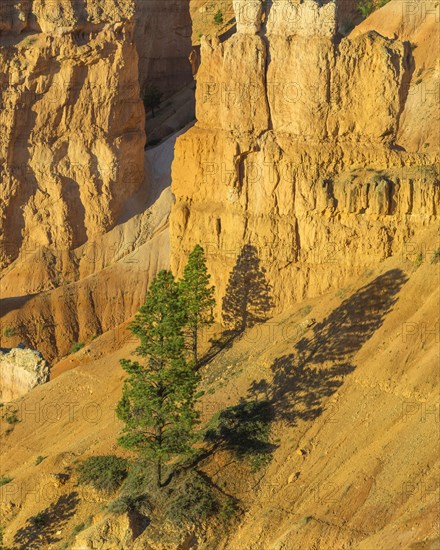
point(158, 399)
point(198, 297)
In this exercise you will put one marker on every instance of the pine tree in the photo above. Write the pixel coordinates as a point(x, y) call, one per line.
point(159, 396)
point(198, 297)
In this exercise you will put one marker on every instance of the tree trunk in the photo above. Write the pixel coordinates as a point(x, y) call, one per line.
point(159, 473)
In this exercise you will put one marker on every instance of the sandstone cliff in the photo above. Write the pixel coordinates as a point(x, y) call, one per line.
point(296, 152)
point(84, 211)
point(71, 123)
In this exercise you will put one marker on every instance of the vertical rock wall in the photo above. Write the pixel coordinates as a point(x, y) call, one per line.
point(295, 154)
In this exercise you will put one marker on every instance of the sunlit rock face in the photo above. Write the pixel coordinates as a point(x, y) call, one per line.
point(71, 123)
point(295, 153)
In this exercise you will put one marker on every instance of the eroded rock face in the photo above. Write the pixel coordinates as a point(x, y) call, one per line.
point(248, 15)
point(71, 123)
point(20, 371)
point(295, 155)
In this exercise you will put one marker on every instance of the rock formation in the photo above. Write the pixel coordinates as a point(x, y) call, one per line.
point(295, 152)
point(71, 123)
point(20, 371)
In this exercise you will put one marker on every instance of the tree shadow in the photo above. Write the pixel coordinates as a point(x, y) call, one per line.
point(247, 301)
point(41, 530)
point(303, 379)
point(243, 429)
point(248, 295)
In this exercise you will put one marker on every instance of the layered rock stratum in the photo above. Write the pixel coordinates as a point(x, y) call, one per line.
point(311, 179)
point(80, 199)
point(297, 151)
point(71, 123)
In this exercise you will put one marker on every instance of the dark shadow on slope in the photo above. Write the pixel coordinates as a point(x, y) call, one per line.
point(247, 302)
point(243, 429)
point(303, 379)
point(41, 530)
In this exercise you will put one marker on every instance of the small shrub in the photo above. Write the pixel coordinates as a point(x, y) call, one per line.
point(139, 479)
point(39, 459)
point(228, 510)
point(195, 502)
point(342, 292)
point(4, 480)
point(259, 461)
point(419, 260)
point(218, 18)
point(81, 526)
point(28, 41)
point(418, 81)
point(104, 473)
point(9, 332)
point(129, 503)
point(76, 347)
point(436, 257)
point(11, 417)
point(305, 310)
point(365, 7)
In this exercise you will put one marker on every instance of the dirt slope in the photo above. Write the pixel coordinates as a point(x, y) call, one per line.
point(355, 435)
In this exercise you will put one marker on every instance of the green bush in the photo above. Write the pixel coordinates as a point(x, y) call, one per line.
point(4, 480)
point(104, 473)
point(436, 257)
point(228, 510)
point(196, 501)
point(39, 459)
point(129, 503)
point(11, 417)
point(218, 18)
point(8, 332)
point(76, 347)
point(365, 7)
point(78, 528)
point(419, 260)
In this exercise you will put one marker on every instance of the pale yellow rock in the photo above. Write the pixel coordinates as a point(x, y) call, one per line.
point(309, 176)
point(231, 86)
point(20, 371)
point(72, 133)
point(248, 15)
